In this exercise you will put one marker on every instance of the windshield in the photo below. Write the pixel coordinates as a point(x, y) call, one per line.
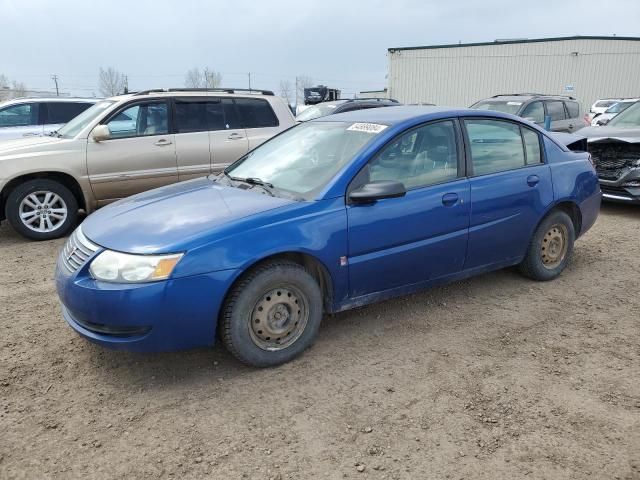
point(76, 124)
point(305, 158)
point(629, 118)
point(619, 107)
point(506, 107)
point(604, 103)
point(317, 111)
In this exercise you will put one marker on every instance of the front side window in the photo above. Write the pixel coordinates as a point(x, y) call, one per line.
point(573, 108)
point(495, 146)
point(140, 120)
point(256, 113)
point(20, 115)
point(62, 112)
point(423, 156)
point(534, 112)
point(303, 159)
point(555, 110)
point(205, 115)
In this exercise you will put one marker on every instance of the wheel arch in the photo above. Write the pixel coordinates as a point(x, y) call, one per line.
point(572, 209)
point(65, 179)
point(313, 265)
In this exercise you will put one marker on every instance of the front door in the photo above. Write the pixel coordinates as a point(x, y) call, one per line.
point(418, 237)
point(510, 189)
point(139, 156)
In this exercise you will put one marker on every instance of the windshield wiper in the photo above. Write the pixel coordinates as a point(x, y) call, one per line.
point(55, 134)
point(266, 186)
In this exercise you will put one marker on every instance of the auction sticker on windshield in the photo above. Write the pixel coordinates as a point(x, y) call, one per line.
point(367, 127)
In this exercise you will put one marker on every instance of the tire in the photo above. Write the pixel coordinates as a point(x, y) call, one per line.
point(26, 202)
point(550, 249)
point(272, 314)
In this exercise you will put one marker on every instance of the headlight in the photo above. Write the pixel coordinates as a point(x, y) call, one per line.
point(119, 267)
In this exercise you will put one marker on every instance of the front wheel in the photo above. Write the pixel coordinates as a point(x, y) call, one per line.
point(550, 248)
point(272, 314)
point(42, 209)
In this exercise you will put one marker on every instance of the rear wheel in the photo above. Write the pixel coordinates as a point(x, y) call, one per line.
point(272, 314)
point(42, 209)
point(551, 247)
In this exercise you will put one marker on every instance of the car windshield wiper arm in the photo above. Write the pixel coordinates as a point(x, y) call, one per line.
point(268, 187)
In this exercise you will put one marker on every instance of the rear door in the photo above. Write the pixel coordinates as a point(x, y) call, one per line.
point(555, 109)
point(259, 120)
point(192, 137)
point(574, 120)
point(510, 189)
point(20, 120)
point(422, 236)
point(139, 156)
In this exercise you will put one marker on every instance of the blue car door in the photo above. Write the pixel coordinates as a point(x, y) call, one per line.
point(423, 235)
point(511, 188)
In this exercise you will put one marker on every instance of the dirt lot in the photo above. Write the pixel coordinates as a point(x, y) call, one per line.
point(495, 377)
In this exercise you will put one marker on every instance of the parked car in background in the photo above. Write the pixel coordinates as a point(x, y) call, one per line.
point(612, 111)
point(341, 106)
point(333, 214)
point(563, 110)
point(35, 117)
point(126, 145)
point(601, 106)
point(615, 149)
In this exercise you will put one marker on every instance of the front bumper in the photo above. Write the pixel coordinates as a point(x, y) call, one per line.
point(161, 316)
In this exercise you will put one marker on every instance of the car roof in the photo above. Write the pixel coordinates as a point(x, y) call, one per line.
point(525, 97)
point(401, 114)
point(197, 92)
point(49, 99)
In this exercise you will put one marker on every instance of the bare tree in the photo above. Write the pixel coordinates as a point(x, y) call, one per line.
point(5, 92)
point(19, 89)
point(208, 78)
point(302, 82)
point(286, 90)
point(111, 82)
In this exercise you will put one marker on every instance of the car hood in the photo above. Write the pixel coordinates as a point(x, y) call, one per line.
point(631, 135)
point(167, 219)
point(29, 145)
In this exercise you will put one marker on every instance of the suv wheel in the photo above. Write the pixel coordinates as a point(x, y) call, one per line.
point(272, 314)
point(42, 209)
point(550, 248)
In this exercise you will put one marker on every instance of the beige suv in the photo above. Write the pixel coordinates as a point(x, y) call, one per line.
point(128, 144)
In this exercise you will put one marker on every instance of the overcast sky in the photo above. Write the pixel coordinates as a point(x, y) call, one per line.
point(338, 43)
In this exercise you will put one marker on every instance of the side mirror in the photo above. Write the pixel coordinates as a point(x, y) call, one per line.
point(100, 133)
point(370, 192)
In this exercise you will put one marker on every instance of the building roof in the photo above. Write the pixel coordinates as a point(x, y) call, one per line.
point(516, 41)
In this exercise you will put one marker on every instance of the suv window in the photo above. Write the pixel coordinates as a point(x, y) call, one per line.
point(140, 120)
point(423, 156)
point(555, 110)
point(495, 146)
point(256, 113)
point(534, 111)
point(62, 112)
point(205, 115)
point(573, 108)
point(19, 115)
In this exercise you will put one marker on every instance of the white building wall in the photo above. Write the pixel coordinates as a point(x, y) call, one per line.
point(462, 75)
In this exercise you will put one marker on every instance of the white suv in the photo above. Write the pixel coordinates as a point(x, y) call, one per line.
point(128, 144)
point(34, 117)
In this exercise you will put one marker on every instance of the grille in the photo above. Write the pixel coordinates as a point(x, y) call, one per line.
point(76, 251)
point(613, 158)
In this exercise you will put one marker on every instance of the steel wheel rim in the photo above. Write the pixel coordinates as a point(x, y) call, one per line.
point(278, 318)
point(554, 246)
point(43, 211)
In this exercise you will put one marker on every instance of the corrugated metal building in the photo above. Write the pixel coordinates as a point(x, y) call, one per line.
point(585, 67)
point(373, 94)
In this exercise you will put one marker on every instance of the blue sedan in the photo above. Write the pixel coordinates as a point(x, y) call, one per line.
point(329, 215)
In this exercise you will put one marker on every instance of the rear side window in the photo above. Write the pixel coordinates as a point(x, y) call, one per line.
point(531, 146)
point(20, 115)
point(256, 113)
point(555, 110)
point(61, 112)
point(573, 108)
point(205, 115)
point(495, 146)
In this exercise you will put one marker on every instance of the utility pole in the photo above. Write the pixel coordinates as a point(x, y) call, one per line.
point(249, 81)
point(126, 84)
point(296, 92)
point(55, 79)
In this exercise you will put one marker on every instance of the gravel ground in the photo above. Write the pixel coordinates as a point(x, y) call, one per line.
point(496, 377)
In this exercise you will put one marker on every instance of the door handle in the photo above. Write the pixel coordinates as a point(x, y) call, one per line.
point(449, 199)
point(532, 180)
point(30, 134)
point(235, 136)
point(162, 142)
